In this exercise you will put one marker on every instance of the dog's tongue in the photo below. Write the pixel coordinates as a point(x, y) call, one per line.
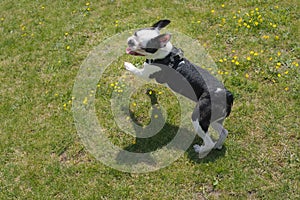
point(128, 51)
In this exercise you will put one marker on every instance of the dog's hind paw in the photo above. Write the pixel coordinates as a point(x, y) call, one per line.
point(197, 148)
point(201, 150)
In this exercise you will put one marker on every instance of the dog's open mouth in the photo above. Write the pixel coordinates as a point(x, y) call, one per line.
point(129, 51)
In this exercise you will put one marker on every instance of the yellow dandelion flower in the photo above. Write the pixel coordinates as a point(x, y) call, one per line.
point(274, 25)
point(98, 85)
point(278, 53)
point(223, 5)
point(226, 73)
point(112, 85)
point(85, 101)
point(279, 75)
point(56, 95)
point(248, 26)
point(278, 64)
point(255, 54)
point(232, 60)
point(256, 23)
point(276, 37)
point(248, 58)
point(127, 118)
point(256, 9)
point(246, 75)
point(221, 60)
point(236, 63)
point(212, 11)
point(155, 116)
point(160, 92)
point(87, 3)
point(225, 59)
point(296, 64)
point(251, 52)
point(134, 104)
point(68, 47)
point(286, 72)
point(150, 92)
point(286, 88)
point(233, 51)
point(270, 58)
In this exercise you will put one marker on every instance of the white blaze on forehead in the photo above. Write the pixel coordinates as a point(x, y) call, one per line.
point(146, 34)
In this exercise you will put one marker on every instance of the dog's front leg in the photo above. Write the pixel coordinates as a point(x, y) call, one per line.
point(130, 67)
point(143, 73)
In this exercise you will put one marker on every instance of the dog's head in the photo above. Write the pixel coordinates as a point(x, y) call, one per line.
point(149, 42)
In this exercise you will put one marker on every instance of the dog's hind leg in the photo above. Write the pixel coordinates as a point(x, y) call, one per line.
point(208, 143)
point(201, 128)
point(217, 126)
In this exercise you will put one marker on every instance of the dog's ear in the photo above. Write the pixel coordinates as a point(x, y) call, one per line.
point(160, 41)
point(161, 24)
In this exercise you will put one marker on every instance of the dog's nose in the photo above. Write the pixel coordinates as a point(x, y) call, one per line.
point(130, 42)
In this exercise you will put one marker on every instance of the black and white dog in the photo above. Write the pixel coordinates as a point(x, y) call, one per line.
point(166, 65)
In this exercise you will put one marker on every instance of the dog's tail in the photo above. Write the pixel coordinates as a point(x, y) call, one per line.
point(229, 102)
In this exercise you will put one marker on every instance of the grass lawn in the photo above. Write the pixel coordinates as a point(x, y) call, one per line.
point(255, 45)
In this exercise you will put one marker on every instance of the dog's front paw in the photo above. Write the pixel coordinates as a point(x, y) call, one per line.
point(129, 66)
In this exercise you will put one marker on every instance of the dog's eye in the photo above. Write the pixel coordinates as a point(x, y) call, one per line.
point(150, 50)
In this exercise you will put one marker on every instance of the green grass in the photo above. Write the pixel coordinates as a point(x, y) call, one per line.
point(43, 44)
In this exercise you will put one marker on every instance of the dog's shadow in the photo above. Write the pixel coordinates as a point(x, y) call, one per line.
point(160, 140)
